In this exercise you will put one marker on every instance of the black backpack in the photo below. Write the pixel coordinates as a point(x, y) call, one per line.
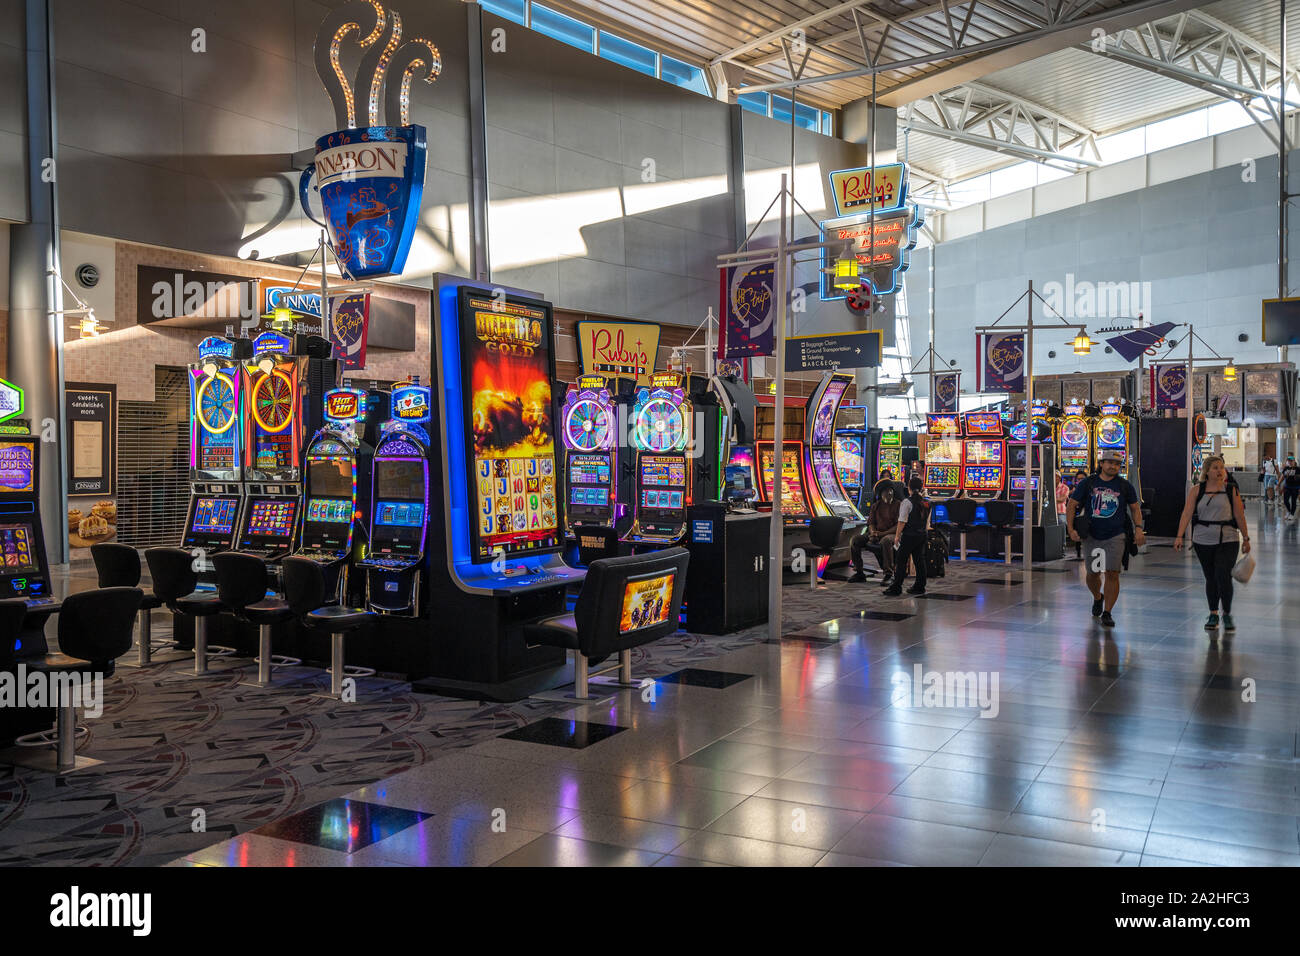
point(1229, 488)
point(936, 553)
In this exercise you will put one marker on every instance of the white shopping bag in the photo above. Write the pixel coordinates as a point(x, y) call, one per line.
point(1244, 568)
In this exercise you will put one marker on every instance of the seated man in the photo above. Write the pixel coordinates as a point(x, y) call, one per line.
point(878, 536)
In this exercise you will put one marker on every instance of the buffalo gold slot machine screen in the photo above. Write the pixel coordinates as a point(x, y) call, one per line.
point(506, 369)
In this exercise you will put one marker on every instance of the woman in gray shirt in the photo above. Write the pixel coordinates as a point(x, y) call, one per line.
point(1216, 514)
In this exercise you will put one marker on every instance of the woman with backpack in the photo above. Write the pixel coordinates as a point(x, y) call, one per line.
point(910, 538)
point(1215, 512)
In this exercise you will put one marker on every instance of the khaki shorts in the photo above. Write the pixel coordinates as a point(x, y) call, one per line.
point(1107, 555)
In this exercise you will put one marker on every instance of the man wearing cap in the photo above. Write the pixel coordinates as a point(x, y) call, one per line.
point(1104, 497)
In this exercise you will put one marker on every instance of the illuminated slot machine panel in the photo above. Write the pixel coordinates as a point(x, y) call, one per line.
point(215, 423)
point(661, 493)
point(829, 497)
point(660, 432)
point(984, 471)
point(1017, 491)
point(210, 524)
point(270, 525)
point(1111, 433)
point(891, 454)
point(589, 426)
point(1075, 445)
point(943, 454)
point(850, 462)
point(794, 500)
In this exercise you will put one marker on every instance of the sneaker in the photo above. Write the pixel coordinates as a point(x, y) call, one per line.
point(1106, 619)
point(915, 590)
point(1096, 607)
point(858, 578)
point(1212, 622)
point(1228, 624)
point(893, 591)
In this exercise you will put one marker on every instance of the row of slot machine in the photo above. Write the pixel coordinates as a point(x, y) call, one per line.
point(285, 461)
point(1082, 432)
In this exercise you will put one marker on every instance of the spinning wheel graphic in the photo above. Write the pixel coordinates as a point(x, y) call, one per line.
point(1111, 432)
point(660, 426)
point(1074, 434)
point(273, 401)
point(588, 425)
point(215, 403)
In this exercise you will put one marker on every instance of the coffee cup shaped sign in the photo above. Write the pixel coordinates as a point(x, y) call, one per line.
point(370, 178)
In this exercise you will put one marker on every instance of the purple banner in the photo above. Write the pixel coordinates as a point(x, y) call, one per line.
point(751, 311)
point(348, 328)
point(946, 388)
point(1002, 360)
point(1170, 383)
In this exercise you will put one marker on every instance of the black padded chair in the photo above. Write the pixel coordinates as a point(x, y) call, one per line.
point(241, 587)
point(961, 515)
point(595, 542)
point(95, 629)
point(1003, 520)
point(305, 592)
point(610, 618)
point(175, 581)
point(823, 539)
point(118, 566)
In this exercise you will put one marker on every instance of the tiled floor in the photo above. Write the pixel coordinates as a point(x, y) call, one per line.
point(1154, 744)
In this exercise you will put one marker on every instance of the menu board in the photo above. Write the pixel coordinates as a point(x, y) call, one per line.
point(506, 381)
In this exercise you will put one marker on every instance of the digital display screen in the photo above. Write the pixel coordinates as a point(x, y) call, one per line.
point(891, 440)
point(665, 470)
point(16, 541)
point(942, 476)
point(739, 477)
point(1018, 483)
point(983, 478)
point(943, 451)
point(17, 466)
point(985, 452)
point(330, 477)
point(589, 470)
point(825, 416)
point(273, 452)
point(665, 500)
point(594, 497)
point(272, 517)
point(1110, 433)
point(982, 423)
point(214, 516)
point(506, 380)
point(942, 424)
point(792, 494)
point(331, 510)
point(400, 514)
point(646, 602)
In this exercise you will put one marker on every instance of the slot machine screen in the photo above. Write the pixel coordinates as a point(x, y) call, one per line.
point(506, 371)
point(212, 520)
point(330, 477)
point(793, 501)
point(849, 460)
point(330, 510)
point(824, 417)
point(17, 469)
point(979, 452)
point(942, 476)
point(272, 518)
point(983, 478)
point(589, 481)
point(17, 542)
point(662, 484)
point(982, 423)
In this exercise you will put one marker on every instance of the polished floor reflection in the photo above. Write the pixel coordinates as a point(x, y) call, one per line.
point(1004, 730)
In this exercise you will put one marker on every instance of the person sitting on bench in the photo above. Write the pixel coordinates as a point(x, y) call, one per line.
point(878, 536)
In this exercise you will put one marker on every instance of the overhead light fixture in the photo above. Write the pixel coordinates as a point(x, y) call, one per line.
point(1082, 344)
point(282, 319)
point(89, 326)
point(1230, 373)
point(846, 273)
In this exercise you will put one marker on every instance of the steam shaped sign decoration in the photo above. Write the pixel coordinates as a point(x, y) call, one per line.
point(370, 178)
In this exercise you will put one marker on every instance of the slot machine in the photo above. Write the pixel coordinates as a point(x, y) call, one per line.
point(944, 454)
point(589, 428)
point(1112, 431)
point(890, 457)
point(286, 379)
point(852, 458)
point(25, 572)
point(395, 559)
point(819, 424)
point(217, 438)
point(795, 507)
point(1042, 482)
point(984, 452)
point(1074, 441)
point(660, 434)
point(337, 474)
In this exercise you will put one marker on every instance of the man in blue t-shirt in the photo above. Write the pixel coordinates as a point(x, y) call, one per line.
point(1105, 497)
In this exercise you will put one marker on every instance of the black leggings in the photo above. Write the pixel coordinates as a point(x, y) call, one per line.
point(1289, 497)
point(1216, 563)
point(910, 546)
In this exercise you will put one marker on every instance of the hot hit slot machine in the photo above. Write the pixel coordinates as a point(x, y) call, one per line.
point(1074, 439)
point(217, 438)
point(395, 559)
point(819, 423)
point(944, 455)
point(984, 472)
point(282, 378)
point(337, 473)
point(794, 500)
point(660, 434)
point(590, 433)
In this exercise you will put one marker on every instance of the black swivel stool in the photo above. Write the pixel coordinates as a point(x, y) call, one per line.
point(304, 590)
point(118, 566)
point(241, 587)
point(961, 515)
point(94, 631)
point(823, 539)
point(174, 581)
point(1003, 520)
point(595, 629)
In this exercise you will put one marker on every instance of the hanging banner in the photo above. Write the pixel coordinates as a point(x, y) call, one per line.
point(349, 328)
point(946, 387)
point(1134, 343)
point(750, 310)
point(1001, 362)
point(1170, 385)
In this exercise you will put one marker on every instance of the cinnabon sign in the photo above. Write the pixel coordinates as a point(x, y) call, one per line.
point(618, 349)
